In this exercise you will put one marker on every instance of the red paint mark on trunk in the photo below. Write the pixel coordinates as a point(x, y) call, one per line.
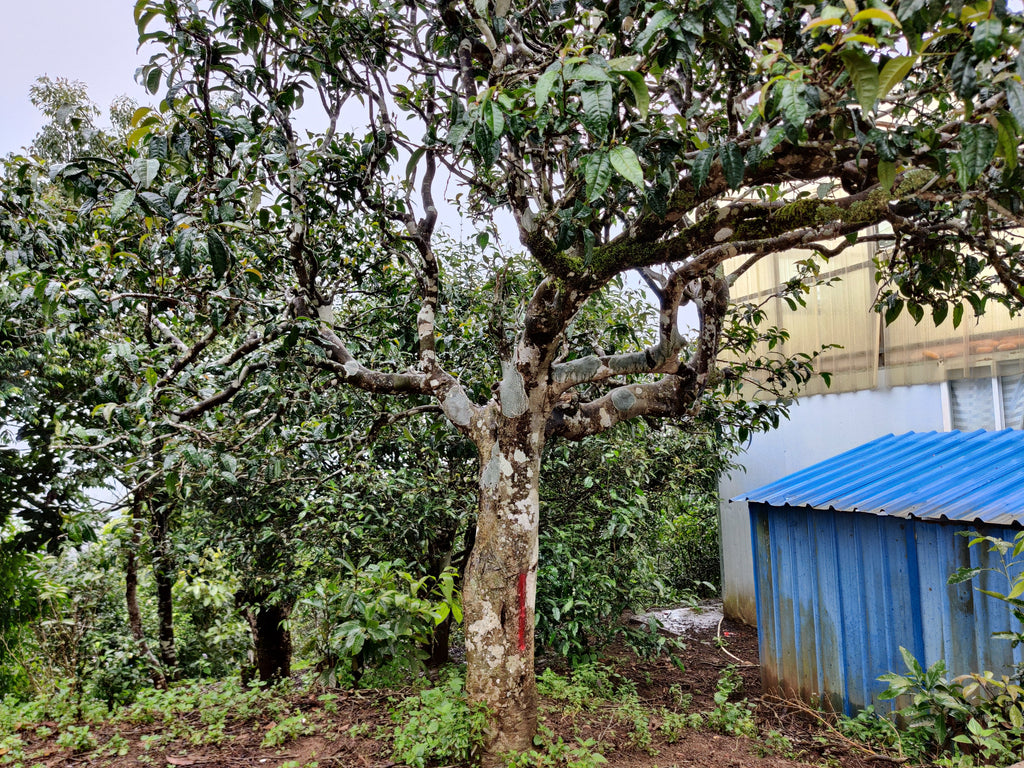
point(522, 612)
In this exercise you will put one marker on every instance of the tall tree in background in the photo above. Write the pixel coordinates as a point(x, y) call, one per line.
point(681, 142)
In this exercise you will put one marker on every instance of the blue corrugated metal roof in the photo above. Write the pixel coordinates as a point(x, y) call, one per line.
point(928, 475)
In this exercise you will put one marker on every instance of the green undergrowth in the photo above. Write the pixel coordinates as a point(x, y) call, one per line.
point(196, 713)
point(438, 726)
point(599, 712)
point(970, 721)
point(595, 688)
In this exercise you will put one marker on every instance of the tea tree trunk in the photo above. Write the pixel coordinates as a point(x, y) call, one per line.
point(272, 641)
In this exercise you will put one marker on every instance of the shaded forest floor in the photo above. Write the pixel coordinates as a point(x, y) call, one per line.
point(671, 719)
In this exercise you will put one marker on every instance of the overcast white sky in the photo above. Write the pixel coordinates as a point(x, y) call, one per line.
point(89, 40)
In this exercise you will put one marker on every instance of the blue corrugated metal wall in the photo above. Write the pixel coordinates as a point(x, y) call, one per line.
point(838, 593)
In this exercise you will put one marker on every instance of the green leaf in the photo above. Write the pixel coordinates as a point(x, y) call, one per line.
point(753, 7)
point(122, 202)
point(658, 22)
point(545, 83)
point(597, 173)
point(886, 174)
point(864, 76)
point(977, 148)
point(732, 165)
point(963, 72)
point(598, 103)
point(1017, 590)
point(958, 315)
point(218, 254)
point(700, 167)
point(962, 574)
point(144, 171)
point(183, 248)
point(458, 132)
point(724, 12)
point(410, 167)
point(1015, 100)
point(791, 99)
point(893, 73)
point(588, 73)
point(627, 164)
point(153, 80)
point(494, 118)
point(486, 146)
point(985, 39)
point(910, 662)
point(878, 14)
point(622, 64)
point(893, 311)
point(908, 8)
point(638, 85)
point(136, 135)
point(916, 311)
point(1008, 146)
point(158, 149)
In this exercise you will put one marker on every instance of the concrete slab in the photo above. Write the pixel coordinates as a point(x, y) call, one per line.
point(686, 619)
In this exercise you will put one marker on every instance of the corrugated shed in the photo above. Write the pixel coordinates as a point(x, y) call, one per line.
point(969, 476)
point(839, 593)
point(851, 559)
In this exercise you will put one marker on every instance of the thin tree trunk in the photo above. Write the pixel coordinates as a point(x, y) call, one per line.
point(163, 577)
point(272, 641)
point(439, 642)
point(500, 588)
point(440, 555)
point(131, 598)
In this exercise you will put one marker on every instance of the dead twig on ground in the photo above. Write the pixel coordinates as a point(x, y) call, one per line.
point(833, 731)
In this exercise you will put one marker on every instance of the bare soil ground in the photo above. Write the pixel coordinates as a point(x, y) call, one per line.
point(350, 734)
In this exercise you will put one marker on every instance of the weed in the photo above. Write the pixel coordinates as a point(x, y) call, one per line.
point(590, 684)
point(359, 730)
point(975, 719)
point(288, 729)
point(215, 733)
point(868, 727)
point(775, 743)
point(77, 738)
point(555, 753)
point(731, 718)
point(379, 616)
point(12, 750)
point(682, 700)
point(329, 702)
point(155, 740)
point(117, 746)
point(976, 714)
point(633, 713)
point(674, 723)
point(438, 725)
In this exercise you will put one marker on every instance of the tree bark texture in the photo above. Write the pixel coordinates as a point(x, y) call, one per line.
point(499, 594)
point(272, 641)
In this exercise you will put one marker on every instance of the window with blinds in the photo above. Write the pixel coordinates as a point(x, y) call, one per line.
point(987, 403)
